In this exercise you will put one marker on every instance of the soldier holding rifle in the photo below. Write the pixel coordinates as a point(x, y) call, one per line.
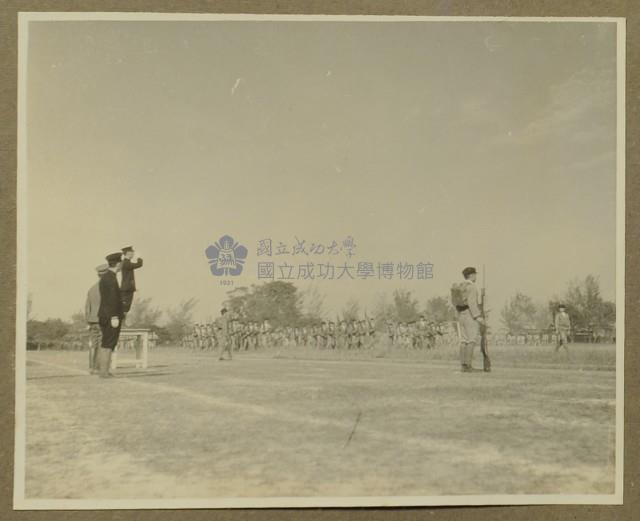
point(484, 345)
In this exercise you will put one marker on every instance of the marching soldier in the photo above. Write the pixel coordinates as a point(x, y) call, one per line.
point(341, 335)
point(248, 333)
point(313, 335)
point(196, 336)
point(362, 333)
point(255, 335)
point(321, 335)
point(351, 335)
point(243, 336)
point(371, 329)
point(391, 332)
point(208, 336)
point(298, 336)
point(304, 336)
point(265, 333)
point(401, 334)
point(287, 336)
point(433, 333)
point(235, 334)
point(215, 336)
point(412, 331)
point(276, 337)
point(225, 331)
point(331, 338)
point(422, 332)
point(562, 325)
point(203, 337)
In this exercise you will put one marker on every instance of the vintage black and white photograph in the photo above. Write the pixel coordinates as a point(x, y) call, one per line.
point(307, 261)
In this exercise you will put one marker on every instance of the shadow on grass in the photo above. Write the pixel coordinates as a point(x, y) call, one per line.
point(137, 374)
point(142, 374)
point(51, 376)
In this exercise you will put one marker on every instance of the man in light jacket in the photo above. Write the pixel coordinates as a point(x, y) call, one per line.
point(91, 307)
point(469, 319)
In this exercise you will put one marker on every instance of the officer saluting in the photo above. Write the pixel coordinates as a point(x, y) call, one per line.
point(464, 297)
point(128, 284)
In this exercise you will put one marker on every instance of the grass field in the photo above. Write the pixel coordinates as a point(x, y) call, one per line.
point(283, 424)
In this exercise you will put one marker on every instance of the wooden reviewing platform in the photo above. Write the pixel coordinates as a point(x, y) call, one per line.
point(141, 338)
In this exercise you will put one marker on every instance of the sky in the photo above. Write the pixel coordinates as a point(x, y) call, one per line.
point(453, 143)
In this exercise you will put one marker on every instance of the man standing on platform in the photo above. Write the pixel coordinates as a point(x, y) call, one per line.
point(91, 308)
point(128, 284)
point(110, 312)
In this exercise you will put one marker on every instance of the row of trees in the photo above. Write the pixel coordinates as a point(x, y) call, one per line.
point(284, 304)
point(278, 301)
point(54, 332)
point(584, 302)
point(404, 307)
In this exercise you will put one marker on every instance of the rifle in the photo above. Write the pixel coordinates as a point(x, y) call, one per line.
point(484, 347)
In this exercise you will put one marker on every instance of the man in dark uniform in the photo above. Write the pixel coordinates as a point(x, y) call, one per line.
point(128, 284)
point(110, 313)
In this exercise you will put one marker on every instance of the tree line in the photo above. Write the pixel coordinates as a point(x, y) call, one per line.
point(55, 332)
point(283, 304)
point(585, 305)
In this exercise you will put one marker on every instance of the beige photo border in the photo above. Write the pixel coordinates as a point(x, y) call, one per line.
point(22, 503)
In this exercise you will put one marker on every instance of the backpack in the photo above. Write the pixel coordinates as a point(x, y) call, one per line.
point(458, 294)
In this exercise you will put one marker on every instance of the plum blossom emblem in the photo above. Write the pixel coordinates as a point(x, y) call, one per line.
point(226, 257)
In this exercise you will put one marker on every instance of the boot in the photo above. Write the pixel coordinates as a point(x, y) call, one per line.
point(101, 362)
point(463, 356)
point(486, 363)
point(105, 362)
point(94, 359)
point(469, 356)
